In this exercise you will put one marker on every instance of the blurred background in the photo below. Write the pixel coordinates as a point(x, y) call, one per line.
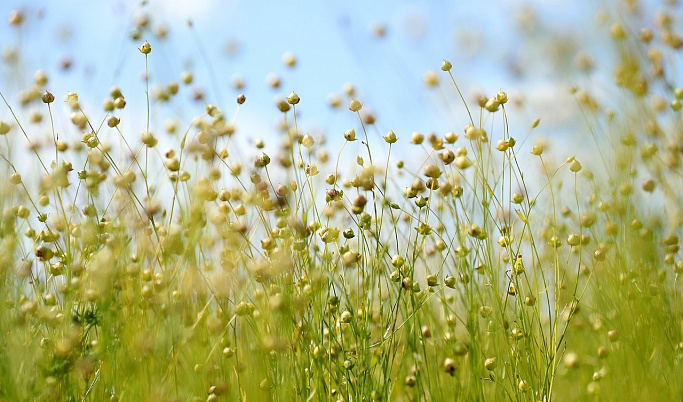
point(388, 53)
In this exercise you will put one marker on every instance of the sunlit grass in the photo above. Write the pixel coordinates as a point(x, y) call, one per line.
point(129, 272)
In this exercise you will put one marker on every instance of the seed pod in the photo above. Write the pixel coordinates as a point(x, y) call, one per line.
point(48, 97)
point(575, 166)
point(146, 48)
point(446, 65)
point(432, 170)
point(431, 280)
point(390, 138)
point(449, 366)
point(293, 98)
point(355, 105)
point(113, 121)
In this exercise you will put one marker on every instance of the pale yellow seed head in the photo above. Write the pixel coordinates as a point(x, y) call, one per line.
point(355, 105)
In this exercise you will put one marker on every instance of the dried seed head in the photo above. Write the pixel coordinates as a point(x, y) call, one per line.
point(390, 138)
point(48, 97)
point(537, 149)
point(417, 138)
point(293, 98)
point(446, 65)
point(283, 105)
point(613, 335)
point(575, 166)
point(573, 239)
point(186, 77)
point(241, 99)
point(432, 171)
point(16, 17)
point(307, 141)
point(502, 145)
point(346, 316)
point(119, 102)
point(646, 35)
point(599, 255)
point(501, 97)
point(148, 139)
point(431, 79)
point(146, 48)
point(108, 105)
point(492, 105)
point(355, 105)
point(649, 185)
point(449, 366)
point(350, 135)
point(334, 101)
point(617, 31)
point(571, 360)
point(447, 156)
point(289, 59)
point(450, 137)
point(4, 128)
point(113, 121)
point(432, 280)
point(463, 162)
point(360, 201)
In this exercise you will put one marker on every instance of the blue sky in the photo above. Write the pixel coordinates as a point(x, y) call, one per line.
point(492, 44)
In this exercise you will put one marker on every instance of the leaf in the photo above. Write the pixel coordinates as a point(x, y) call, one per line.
point(521, 216)
point(182, 143)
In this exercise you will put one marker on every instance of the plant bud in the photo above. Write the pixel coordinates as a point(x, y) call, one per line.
point(350, 135)
point(146, 48)
point(449, 366)
point(390, 138)
point(432, 170)
point(48, 97)
point(186, 77)
point(16, 17)
point(4, 128)
point(148, 139)
point(113, 121)
point(307, 141)
point(283, 106)
point(431, 280)
point(355, 105)
point(346, 317)
point(575, 166)
point(293, 98)
point(492, 105)
point(648, 185)
point(502, 97)
point(446, 65)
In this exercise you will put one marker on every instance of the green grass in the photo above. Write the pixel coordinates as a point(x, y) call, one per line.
point(132, 273)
